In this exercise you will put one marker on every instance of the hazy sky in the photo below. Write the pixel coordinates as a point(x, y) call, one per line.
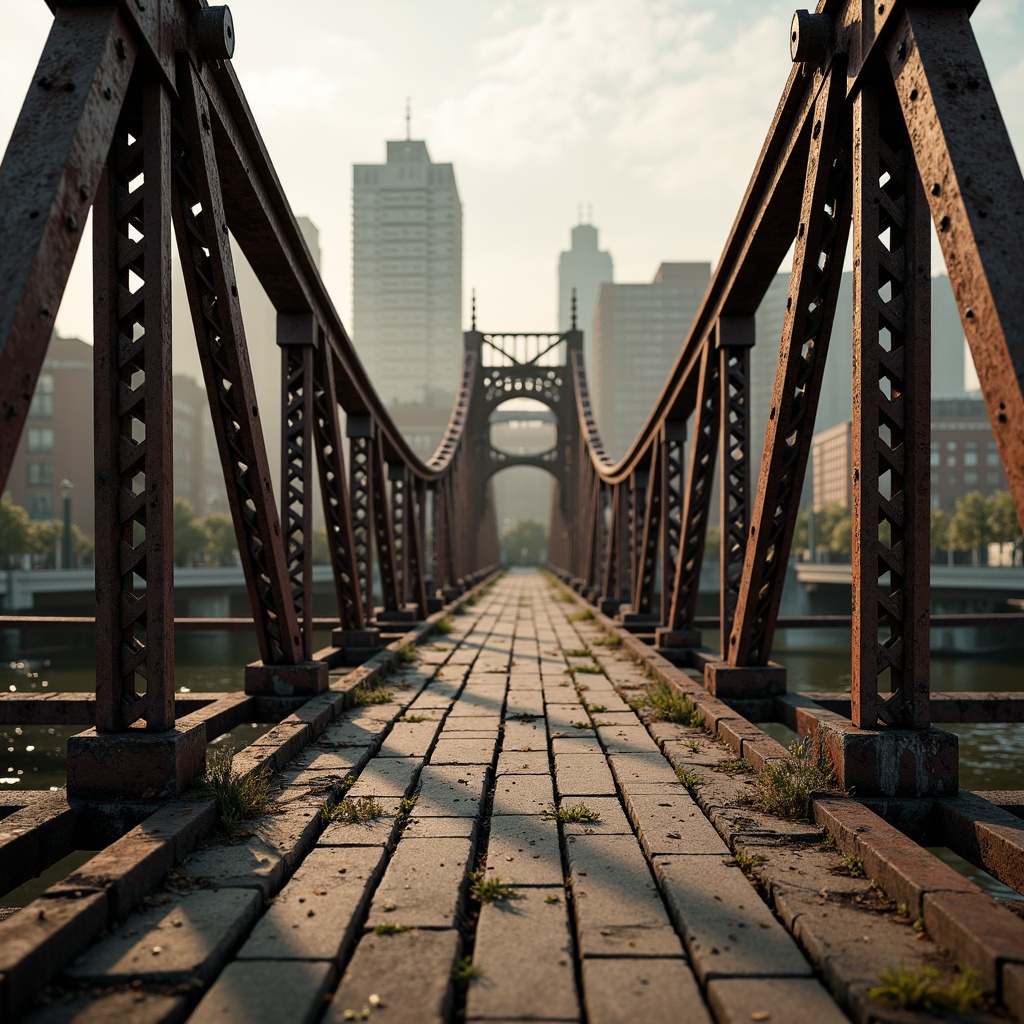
point(651, 110)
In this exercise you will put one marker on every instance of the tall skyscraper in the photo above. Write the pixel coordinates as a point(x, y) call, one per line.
point(638, 332)
point(584, 268)
point(407, 276)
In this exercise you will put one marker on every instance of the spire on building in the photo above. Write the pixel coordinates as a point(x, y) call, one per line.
point(408, 119)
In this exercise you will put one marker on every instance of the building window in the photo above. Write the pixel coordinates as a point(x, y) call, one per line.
point(40, 441)
point(936, 458)
point(970, 478)
point(40, 506)
point(40, 474)
point(971, 453)
point(42, 401)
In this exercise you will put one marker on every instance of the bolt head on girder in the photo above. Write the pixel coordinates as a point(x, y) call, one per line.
point(810, 36)
point(215, 30)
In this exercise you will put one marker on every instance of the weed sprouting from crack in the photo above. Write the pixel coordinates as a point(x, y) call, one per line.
point(738, 765)
point(363, 697)
point(238, 797)
point(490, 888)
point(667, 704)
point(586, 615)
point(578, 813)
point(786, 787)
point(465, 972)
point(747, 861)
point(387, 928)
point(413, 719)
point(352, 812)
point(911, 988)
point(578, 652)
point(406, 654)
point(691, 780)
point(444, 625)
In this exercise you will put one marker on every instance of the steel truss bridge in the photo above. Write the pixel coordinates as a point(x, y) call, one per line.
point(887, 125)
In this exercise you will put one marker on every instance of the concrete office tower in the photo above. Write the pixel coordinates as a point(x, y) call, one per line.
point(584, 267)
point(638, 332)
point(407, 276)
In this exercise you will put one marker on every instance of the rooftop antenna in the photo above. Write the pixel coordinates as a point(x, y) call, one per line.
point(573, 310)
point(472, 324)
point(408, 118)
point(590, 213)
point(579, 214)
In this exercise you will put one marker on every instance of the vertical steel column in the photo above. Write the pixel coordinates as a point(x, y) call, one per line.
point(672, 482)
point(297, 337)
point(891, 418)
point(360, 490)
point(382, 527)
point(637, 509)
point(330, 452)
point(643, 590)
point(416, 518)
point(398, 476)
point(133, 415)
point(821, 239)
point(736, 335)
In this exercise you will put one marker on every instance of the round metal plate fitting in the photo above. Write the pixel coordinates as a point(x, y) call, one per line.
point(810, 36)
point(216, 32)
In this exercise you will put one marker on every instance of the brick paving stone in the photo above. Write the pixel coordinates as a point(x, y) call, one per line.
point(520, 762)
point(626, 739)
point(315, 916)
point(251, 863)
point(455, 749)
point(351, 732)
point(384, 713)
point(785, 1000)
point(377, 831)
point(386, 777)
point(135, 1007)
point(524, 951)
point(473, 726)
point(643, 768)
point(525, 735)
point(612, 821)
point(266, 992)
point(409, 739)
point(424, 883)
point(439, 695)
point(728, 929)
point(524, 704)
point(636, 989)
point(617, 904)
point(189, 936)
point(409, 972)
point(523, 850)
point(313, 760)
point(672, 823)
point(522, 794)
point(524, 679)
point(451, 790)
point(563, 719)
point(478, 706)
point(583, 743)
point(583, 775)
point(440, 828)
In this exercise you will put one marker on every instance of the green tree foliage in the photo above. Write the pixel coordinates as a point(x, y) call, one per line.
point(970, 529)
point(940, 530)
point(191, 540)
point(15, 531)
point(222, 544)
point(524, 542)
point(1004, 524)
point(321, 551)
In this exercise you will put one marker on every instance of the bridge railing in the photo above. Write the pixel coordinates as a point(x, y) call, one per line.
point(135, 113)
point(888, 118)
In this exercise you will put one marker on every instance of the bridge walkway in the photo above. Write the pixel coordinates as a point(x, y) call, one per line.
point(493, 833)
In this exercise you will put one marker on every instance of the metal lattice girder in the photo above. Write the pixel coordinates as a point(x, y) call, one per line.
point(201, 232)
point(297, 335)
point(643, 587)
point(700, 477)
point(360, 494)
point(891, 418)
point(975, 191)
point(49, 179)
point(637, 511)
point(673, 435)
point(736, 335)
point(382, 528)
point(817, 271)
point(415, 521)
point(400, 526)
point(330, 452)
point(133, 428)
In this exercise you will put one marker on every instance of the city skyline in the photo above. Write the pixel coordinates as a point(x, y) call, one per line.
point(652, 114)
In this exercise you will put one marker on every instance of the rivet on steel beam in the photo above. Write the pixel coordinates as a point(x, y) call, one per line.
point(810, 36)
point(216, 32)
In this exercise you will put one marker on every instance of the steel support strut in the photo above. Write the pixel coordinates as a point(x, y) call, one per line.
point(817, 270)
point(360, 492)
point(132, 385)
point(202, 235)
point(891, 418)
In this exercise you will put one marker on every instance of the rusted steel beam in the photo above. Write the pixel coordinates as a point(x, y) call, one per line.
point(360, 493)
point(672, 483)
point(647, 562)
point(415, 545)
point(638, 485)
point(891, 419)
point(297, 337)
point(330, 458)
point(945, 707)
point(817, 270)
point(383, 537)
point(975, 191)
point(693, 530)
point(49, 178)
point(736, 335)
point(213, 297)
point(134, 487)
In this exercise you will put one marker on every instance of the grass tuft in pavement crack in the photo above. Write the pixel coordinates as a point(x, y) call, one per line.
point(667, 704)
point(578, 813)
point(909, 988)
point(406, 654)
point(465, 972)
point(392, 929)
point(786, 787)
point(352, 812)
point(444, 625)
point(363, 697)
point(238, 797)
point(490, 889)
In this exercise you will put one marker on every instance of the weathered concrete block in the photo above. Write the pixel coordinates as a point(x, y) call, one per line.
point(796, 1000)
point(457, 749)
point(386, 777)
point(451, 790)
point(266, 992)
point(523, 850)
point(304, 679)
point(637, 989)
point(522, 794)
point(732, 682)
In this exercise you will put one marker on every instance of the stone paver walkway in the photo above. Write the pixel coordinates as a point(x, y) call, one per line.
point(504, 761)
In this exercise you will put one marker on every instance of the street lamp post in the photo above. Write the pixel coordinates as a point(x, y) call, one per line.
point(66, 487)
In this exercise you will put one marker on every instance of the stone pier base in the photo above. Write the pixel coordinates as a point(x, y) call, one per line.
point(891, 762)
point(136, 764)
point(677, 638)
point(742, 682)
point(306, 679)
